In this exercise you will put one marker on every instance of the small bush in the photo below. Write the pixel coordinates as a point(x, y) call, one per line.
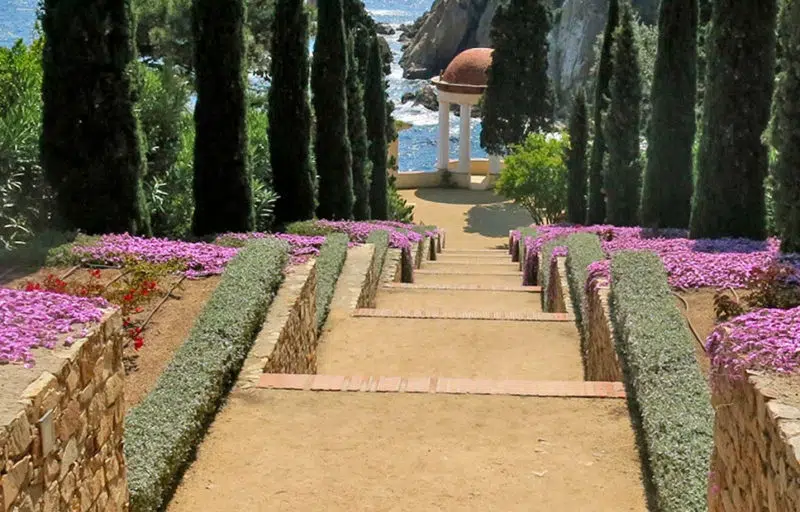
point(37, 250)
point(330, 261)
point(583, 249)
point(162, 432)
point(380, 239)
point(668, 397)
point(308, 228)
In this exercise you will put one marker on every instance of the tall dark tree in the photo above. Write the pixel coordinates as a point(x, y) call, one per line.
point(290, 115)
point(623, 168)
point(576, 160)
point(519, 96)
point(91, 145)
point(704, 17)
point(375, 105)
point(597, 201)
point(357, 128)
point(222, 194)
point(329, 88)
point(786, 130)
point(668, 181)
point(732, 158)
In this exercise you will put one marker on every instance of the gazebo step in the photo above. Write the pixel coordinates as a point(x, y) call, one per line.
point(478, 182)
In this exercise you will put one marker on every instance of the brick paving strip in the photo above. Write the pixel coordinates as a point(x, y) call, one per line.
point(442, 385)
point(464, 287)
point(465, 273)
point(464, 315)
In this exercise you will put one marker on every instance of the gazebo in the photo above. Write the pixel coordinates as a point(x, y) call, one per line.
point(463, 83)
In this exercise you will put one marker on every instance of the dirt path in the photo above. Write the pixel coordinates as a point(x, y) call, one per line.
point(399, 447)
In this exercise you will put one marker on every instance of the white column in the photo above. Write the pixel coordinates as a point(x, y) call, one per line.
point(494, 164)
point(444, 135)
point(464, 139)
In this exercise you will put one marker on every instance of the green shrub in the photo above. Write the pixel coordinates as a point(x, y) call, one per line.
point(308, 228)
point(38, 251)
point(330, 261)
point(380, 239)
point(583, 250)
point(62, 255)
point(535, 176)
point(667, 394)
point(163, 431)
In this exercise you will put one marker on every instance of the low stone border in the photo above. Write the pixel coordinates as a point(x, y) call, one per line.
point(392, 267)
point(599, 355)
point(423, 250)
point(756, 458)
point(558, 298)
point(61, 426)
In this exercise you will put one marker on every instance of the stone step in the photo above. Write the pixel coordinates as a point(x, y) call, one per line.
point(464, 287)
point(434, 314)
point(443, 385)
point(456, 301)
point(467, 272)
point(438, 264)
point(435, 278)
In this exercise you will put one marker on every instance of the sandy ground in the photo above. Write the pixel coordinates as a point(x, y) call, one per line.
point(459, 300)
point(284, 450)
point(701, 315)
point(467, 279)
point(473, 219)
point(451, 348)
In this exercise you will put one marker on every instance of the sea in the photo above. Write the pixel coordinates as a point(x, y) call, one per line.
point(417, 145)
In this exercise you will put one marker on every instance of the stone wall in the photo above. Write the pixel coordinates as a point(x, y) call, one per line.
point(392, 267)
point(558, 298)
point(422, 252)
point(755, 463)
point(369, 286)
point(287, 342)
point(61, 425)
point(599, 355)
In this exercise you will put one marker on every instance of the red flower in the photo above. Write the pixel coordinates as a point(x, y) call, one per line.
point(138, 309)
point(128, 297)
point(138, 343)
point(31, 286)
point(95, 273)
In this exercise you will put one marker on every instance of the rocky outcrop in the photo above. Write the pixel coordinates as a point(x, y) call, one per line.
point(426, 96)
point(452, 26)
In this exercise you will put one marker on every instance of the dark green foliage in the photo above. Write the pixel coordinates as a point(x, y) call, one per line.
point(786, 131)
point(290, 116)
point(380, 239)
point(597, 201)
point(583, 250)
point(41, 250)
point(223, 196)
point(732, 158)
point(668, 397)
point(329, 88)
point(622, 167)
point(667, 194)
point(90, 144)
point(330, 261)
point(374, 102)
point(357, 127)
point(308, 228)
point(163, 431)
point(704, 17)
point(519, 97)
point(577, 180)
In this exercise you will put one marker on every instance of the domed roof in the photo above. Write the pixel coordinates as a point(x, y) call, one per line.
point(469, 67)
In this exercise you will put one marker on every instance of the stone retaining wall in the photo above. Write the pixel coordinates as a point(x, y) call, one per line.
point(755, 464)
point(599, 355)
point(287, 342)
point(558, 297)
point(392, 267)
point(61, 425)
point(369, 287)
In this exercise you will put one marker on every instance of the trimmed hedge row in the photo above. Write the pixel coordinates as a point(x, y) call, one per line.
point(330, 261)
point(162, 432)
point(380, 239)
point(583, 250)
point(668, 397)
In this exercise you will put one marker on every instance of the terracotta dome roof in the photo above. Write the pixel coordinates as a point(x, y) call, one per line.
point(469, 67)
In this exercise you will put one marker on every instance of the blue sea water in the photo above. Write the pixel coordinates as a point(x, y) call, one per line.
point(417, 144)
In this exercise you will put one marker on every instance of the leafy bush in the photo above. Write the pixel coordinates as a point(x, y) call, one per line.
point(535, 176)
point(330, 261)
point(308, 228)
point(380, 239)
point(583, 249)
point(667, 395)
point(399, 209)
point(162, 432)
point(776, 286)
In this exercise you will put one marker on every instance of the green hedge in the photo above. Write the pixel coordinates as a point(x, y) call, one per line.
point(668, 397)
point(330, 261)
point(162, 432)
point(308, 228)
point(584, 249)
point(380, 239)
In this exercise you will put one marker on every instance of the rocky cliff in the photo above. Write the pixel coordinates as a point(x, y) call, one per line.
point(451, 26)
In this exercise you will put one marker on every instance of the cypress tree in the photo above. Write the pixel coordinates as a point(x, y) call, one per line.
point(623, 170)
point(786, 130)
point(91, 146)
point(222, 193)
point(667, 194)
point(576, 160)
point(732, 158)
point(290, 115)
point(357, 129)
point(519, 96)
point(597, 205)
point(375, 104)
point(329, 88)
